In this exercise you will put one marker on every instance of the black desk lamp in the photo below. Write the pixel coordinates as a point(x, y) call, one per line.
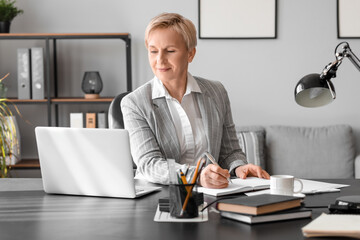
point(316, 90)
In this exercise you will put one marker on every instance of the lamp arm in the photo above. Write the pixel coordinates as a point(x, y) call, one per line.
point(352, 57)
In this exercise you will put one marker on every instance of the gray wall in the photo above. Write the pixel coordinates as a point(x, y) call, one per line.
point(260, 75)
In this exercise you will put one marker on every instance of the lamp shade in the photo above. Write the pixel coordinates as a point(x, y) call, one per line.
point(313, 91)
point(91, 84)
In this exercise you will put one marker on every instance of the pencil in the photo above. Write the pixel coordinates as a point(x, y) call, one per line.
point(184, 181)
point(212, 160)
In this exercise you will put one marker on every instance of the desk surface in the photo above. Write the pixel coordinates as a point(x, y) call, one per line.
point(26, 212)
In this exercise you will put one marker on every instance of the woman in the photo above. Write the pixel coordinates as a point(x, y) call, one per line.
point(178, 116)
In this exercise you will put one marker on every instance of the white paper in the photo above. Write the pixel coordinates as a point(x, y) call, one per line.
point(309, 187)
point(334, 225)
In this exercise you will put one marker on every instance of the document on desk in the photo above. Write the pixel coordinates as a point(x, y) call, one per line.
point(339, 225)
point(310, 187)
point(238, 185)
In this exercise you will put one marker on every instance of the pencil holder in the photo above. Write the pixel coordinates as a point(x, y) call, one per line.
point(182, 203)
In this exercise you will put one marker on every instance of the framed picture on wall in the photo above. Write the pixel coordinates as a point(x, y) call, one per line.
point(348, 18)
point(237, 19)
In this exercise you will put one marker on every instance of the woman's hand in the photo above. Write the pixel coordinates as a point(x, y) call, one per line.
point(213, 176)
point(251, 170)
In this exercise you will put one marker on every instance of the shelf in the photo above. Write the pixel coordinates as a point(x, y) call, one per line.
point(62, 35)
point(62, 100)
point(82, 100)
point(15, 100)
point(26, 164)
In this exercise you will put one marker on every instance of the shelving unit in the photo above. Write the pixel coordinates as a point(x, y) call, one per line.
point(55, 100)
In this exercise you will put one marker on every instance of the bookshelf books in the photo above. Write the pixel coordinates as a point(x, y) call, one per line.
point(76, 120)
point(30, 65)
point(24, 73)
point(295, 213)
point(102, 120)
point(258, 204)
point(89, 120)
point(37, 73)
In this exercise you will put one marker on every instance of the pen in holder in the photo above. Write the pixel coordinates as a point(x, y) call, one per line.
point(178, 196)
point(182, 201)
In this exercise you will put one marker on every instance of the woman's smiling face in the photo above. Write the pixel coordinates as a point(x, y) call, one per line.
point(168, 55)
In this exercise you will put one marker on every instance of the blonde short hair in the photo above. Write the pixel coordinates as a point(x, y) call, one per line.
point(176, 22)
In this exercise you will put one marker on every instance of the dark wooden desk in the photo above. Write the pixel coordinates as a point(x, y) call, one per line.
point(26, 212)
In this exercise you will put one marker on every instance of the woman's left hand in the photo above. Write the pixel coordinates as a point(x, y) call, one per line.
point(251, 170)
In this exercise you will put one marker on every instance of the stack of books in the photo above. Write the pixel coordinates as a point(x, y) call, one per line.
point(262, 208)
point(89, 120)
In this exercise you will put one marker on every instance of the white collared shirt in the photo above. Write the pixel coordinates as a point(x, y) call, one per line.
point(187, 119)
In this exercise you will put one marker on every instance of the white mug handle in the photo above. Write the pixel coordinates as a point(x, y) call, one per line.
point(301, 185)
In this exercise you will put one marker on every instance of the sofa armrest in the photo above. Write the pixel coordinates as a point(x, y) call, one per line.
point(357, 166)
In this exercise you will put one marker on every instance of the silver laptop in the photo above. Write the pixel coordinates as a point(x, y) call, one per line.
point(85, 161)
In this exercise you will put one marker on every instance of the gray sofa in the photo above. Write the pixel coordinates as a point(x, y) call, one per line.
point(305, 152)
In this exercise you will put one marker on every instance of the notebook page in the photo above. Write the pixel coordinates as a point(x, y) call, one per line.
point(237, 186)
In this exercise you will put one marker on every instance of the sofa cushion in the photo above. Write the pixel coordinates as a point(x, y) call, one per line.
point(252, 141)
point(311, 152)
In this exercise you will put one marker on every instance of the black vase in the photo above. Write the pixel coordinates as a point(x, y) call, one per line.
point(5, 27)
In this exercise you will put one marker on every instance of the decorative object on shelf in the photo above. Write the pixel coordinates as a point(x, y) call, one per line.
point(7, 13)
point(9, 137)
point(92, 84)
point(316, 90)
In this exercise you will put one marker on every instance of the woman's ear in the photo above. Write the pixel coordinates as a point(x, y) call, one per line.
point(191, 55)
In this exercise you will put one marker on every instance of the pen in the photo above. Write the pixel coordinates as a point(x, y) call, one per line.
point(212, 160)
point(187, 169)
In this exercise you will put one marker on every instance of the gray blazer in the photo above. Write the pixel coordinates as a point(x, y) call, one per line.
point(153, 136)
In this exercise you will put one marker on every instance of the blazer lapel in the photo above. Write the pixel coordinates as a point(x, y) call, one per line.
point(165, 130)
point(209, 117)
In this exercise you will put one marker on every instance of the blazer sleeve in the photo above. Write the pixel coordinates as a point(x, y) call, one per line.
point(147, 154)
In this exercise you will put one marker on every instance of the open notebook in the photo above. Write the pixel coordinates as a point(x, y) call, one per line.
point(238, 186)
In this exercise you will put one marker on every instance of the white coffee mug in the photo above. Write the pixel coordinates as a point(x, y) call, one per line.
point(284, 185)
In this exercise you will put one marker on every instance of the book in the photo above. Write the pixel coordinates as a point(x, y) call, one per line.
point(238, 185)
point(271, 217)
point(76, 120)
point(258, 204)
point(24, 73)
point(90, 120)
point(37, 73)
point(333, 225)
point(102, 120)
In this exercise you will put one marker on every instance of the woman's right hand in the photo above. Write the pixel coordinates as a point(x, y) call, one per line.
point(213, 176)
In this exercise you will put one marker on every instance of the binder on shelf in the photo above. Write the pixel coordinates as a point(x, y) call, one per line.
point(102, 120)
point(90, 120)
point(76, 120)
point(24, 73)
point(37, 73)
